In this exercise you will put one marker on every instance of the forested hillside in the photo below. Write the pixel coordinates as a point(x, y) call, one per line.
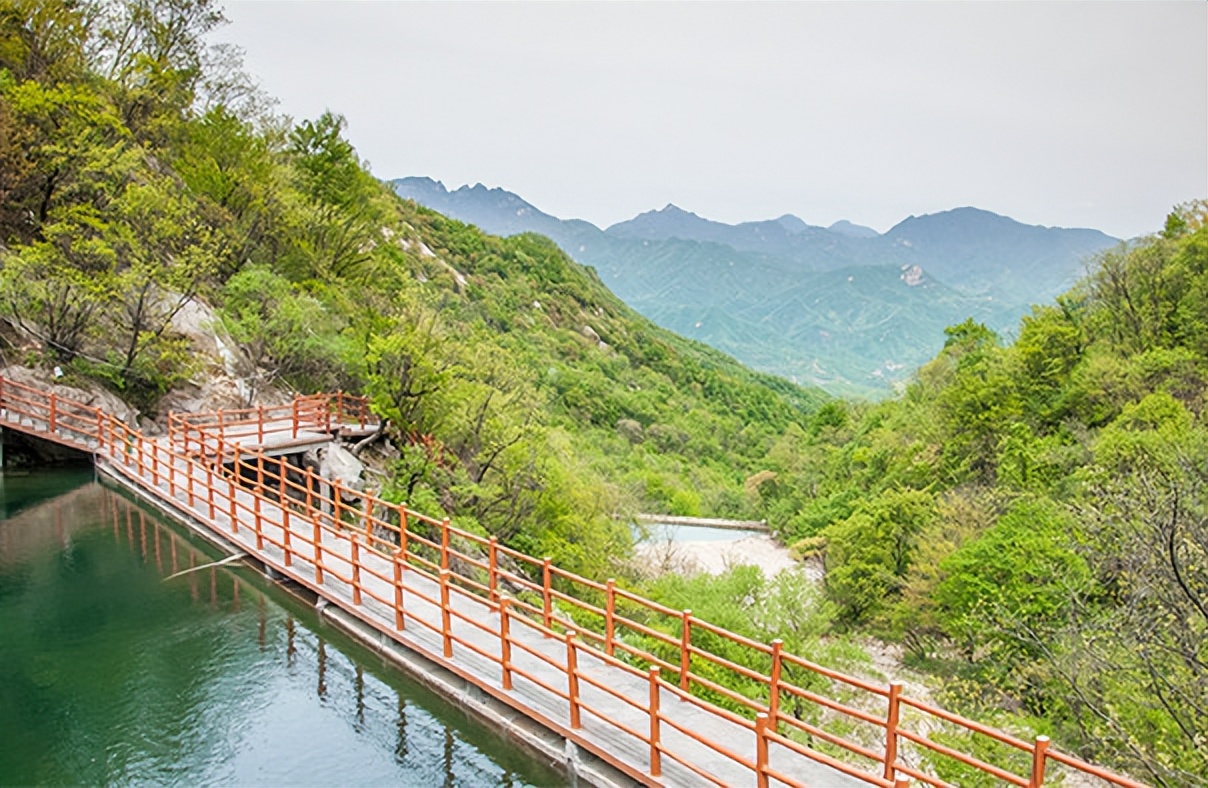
point(843, 308)
point(141, 169)
point(1029, 519)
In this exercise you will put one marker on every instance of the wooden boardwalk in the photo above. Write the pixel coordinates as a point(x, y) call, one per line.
point(475, 629)
point(470, 606)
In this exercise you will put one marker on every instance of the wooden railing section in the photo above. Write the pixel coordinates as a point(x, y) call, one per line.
point(379, 539)
point(319, 413)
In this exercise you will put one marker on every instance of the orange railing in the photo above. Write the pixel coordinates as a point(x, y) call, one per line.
point(316, 413)
point(619, 628)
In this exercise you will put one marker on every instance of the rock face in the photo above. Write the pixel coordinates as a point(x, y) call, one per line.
point(338, 464)
point(225, 378)
point(96, 397)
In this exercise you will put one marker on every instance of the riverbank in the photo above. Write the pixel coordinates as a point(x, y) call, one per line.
point(714, 558)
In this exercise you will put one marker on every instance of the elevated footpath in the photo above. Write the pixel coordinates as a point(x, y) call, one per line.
point(616, 688)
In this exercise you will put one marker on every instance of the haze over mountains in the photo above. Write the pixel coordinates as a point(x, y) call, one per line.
point(842, 307)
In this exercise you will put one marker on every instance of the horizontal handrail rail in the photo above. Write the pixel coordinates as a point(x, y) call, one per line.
point(199, 443)
point(319, 413)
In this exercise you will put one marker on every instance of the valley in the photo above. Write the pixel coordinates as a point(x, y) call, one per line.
point(843, 308)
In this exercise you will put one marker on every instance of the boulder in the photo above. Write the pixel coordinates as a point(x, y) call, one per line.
point(338, 464)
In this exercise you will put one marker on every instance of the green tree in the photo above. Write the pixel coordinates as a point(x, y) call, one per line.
point(1012, 590)
point(232, 171)
point(287, 333)
point(869, 554)
point(341, 217)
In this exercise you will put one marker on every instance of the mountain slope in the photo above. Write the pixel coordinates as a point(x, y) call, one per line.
point(982, 252)
point(776, 293)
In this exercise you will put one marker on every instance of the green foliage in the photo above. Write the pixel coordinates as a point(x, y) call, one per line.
point(789, 607)
point(286, 332)
point(340, 215)
point(1058, 564)
point(1010, 591)
point(869, 553)
point(1030, 516)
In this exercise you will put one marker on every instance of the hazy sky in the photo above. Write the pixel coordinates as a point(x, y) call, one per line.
point(1076, 114)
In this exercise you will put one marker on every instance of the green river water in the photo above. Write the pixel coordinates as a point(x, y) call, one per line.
point(112, 674)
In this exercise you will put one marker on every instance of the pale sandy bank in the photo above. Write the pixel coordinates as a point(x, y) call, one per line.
point(713, 558)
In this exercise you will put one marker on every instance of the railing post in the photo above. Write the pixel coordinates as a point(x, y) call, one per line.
point(444, 543)
point(260, 424)
point(154, 462)
point(685, 646)
point(610, 603)
point(493, 568)
point(761, 750)
point(318, 549)
point(367, 498)
point(572, 680)
point(774, 683)
point(54, 416)
point(656, 758)
point(310, 485)
point(256, 522)
point(294, 419)
point(281, 490)
point(1038, 761)
point(446, 624)
point(209, 486)
point(356, 570)
point(337, 501)
point(547, 603)
point(285, 538)
point(402, 530)
point(399, 623)
point(234, 499)
point(891, 730)
point(505, 642)
point(189, 481)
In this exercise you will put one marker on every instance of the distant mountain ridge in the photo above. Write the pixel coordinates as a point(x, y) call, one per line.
point(842, 307)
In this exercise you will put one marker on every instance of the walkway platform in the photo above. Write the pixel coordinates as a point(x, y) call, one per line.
point(477, 624)
point(471, 607)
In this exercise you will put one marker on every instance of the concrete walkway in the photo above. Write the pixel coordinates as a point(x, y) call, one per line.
point(199, 494)
point(480, 629)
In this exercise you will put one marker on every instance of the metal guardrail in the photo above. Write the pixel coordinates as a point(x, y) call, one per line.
point(321, 413)
point(601, 619)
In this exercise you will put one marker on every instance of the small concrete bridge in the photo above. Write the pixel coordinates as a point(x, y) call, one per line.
point(637, 692)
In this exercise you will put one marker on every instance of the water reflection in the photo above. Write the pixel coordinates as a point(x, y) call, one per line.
point(114, 667)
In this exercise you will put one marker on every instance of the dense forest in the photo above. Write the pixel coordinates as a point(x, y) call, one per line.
point(1028, 520)
point(141, 169)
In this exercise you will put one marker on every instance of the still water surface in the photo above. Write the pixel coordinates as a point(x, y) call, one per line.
point(110, 673)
